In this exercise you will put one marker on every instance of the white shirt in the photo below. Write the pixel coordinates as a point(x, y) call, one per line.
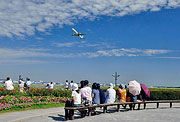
point(66, 85)
point(77, 97)
point(9, 85)
point(28, 83)
point(51, 86)
point(110, 95)
point(71, 84)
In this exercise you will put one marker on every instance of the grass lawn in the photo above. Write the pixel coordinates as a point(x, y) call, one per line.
point(42, 106)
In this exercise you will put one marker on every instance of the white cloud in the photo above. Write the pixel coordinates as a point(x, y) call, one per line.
point(170, 57)
point(40, 55)
point(24, 17)
point(125, 52)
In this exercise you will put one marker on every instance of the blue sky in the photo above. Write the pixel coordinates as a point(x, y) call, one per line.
point(138, 39)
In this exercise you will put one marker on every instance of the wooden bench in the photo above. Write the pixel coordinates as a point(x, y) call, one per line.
point(118, 104)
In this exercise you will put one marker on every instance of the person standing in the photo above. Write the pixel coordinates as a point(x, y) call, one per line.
point(71, 85)
point(66, 85)
point(8, 84)
point(51, 85)
point(28, 83)
point(21, 87)
point(110, 94)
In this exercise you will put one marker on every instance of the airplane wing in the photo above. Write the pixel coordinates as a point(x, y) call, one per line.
point(74, 30)
point(82, 34)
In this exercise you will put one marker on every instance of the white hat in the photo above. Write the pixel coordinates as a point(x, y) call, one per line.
point(75, 86)
point(111, 85)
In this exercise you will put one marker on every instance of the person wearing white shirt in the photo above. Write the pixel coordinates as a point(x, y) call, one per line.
point(8, 84)
point(110, 94)
point(51, 85)
point(71, 85)
point(28, 84)
point(66, 85)
point(76, 96)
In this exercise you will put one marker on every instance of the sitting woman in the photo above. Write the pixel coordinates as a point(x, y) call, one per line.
point(76, 96)
point(95, 94)
point(121, 93)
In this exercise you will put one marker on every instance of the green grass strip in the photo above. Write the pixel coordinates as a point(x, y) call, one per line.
point(41, 106)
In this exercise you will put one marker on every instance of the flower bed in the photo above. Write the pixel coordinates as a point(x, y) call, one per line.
point(9, 102)
point(37, 92)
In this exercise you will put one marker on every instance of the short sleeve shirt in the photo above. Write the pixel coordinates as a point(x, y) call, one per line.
point(86, 93)
point(96, 99)
point(77, 97)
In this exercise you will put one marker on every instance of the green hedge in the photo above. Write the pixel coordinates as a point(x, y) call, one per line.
point(165, 95)
point(161, 93)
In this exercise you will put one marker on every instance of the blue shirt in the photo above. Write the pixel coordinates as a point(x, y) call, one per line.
point(96, 99)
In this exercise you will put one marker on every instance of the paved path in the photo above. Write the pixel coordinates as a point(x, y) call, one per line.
point(162, 114)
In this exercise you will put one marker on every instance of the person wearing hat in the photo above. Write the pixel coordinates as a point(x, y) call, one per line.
point(110, 94)
point(121, 93)
point(76, 97)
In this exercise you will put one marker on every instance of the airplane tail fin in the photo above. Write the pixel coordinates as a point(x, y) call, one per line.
point(81, 37)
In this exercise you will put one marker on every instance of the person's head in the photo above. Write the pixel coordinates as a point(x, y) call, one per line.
point(98, 86)
point(94, 86)
point(82, 83)
point(67, 81)
point(111, 85)
point(121, 86)
point(51, 82)
point(86, 82)
point(72, 81)
point(75, 87)
point(8, 78)
point(48, 84)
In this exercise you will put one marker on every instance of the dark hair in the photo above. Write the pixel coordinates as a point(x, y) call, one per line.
point(94, 86)
point(98, 86)
point(86, 82)
point(48, 84)
point(72, 81)
point(8, 78)
point(66, 80)
point(51, 82)
point(82, 83)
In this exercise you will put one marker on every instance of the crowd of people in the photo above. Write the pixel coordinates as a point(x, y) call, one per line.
point(87, 95)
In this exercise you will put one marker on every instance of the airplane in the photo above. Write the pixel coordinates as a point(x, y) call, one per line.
point(78, 34)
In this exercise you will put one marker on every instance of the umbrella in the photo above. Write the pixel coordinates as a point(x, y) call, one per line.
point(145, 89)
point(134, 87)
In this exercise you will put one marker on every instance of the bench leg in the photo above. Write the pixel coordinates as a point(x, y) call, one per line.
point(157, 105)
point(139, 105)
point(118, 108)
point(104, 109)
point(66, 115)
point(170, 104)
point(89, 111)
point(71, 114)
point(144, 105)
